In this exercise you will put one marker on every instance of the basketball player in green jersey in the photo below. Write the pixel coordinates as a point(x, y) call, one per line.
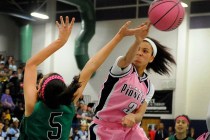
point(49, 109)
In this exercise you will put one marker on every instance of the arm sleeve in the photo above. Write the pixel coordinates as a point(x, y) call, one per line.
point(117, 71)
point(151, 91)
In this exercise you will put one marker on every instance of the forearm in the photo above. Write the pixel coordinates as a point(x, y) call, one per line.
point(97, 60)
point(94, 63)
point(131, 52)
point(140, 112)
point(129, 56)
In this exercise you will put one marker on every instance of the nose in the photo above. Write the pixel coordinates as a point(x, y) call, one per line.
point(139, 53)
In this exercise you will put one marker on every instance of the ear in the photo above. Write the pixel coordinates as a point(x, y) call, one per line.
point(151, 59)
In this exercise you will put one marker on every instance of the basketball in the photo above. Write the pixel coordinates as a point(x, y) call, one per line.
point(166, 15)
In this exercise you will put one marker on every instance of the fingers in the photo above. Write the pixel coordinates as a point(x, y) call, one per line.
point(125, 122)
point(145, 24)
point(67, 20)
point(126, 24)
point(72, 22)
point(76, 96)
point(62, 22)
point(57, 24)
point(66, 23)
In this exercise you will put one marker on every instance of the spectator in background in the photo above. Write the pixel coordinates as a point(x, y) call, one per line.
point(90, 111)
point(182, 123)
point(3, 74)
point(6, 100)
point(20, 73)
point(6, 125)
point(3, 116)
point(82, 114)
point(8, 114)
point(2, 133)
point(192, 133)
point(9, 61)
point(19, 110)
point(15, 88)
point(2, 59)
point(13, 132)
point(12, 65)
point(82, 133)
point(170, 131)
point(151, 133)
point(161, 133)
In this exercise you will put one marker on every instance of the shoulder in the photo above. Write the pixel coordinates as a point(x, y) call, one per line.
point(189, 138)
point(119, 72)
point(172, 137)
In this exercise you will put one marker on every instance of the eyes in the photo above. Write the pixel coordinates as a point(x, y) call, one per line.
point(145, 50)
point(181, 122)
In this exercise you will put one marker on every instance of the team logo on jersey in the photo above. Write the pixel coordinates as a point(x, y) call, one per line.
point(134, 92)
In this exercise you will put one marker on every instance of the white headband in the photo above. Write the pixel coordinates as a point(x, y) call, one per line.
point(154, 47)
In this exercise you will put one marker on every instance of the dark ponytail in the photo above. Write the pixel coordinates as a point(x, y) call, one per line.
point(56, 92)
point(67, 96)
point(162, 61)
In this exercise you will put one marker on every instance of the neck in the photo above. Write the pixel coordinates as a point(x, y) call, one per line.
point(140, 71)
point(181, 136)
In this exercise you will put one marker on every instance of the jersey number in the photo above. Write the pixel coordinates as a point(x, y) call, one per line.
point(131, 107)
point(55, 125)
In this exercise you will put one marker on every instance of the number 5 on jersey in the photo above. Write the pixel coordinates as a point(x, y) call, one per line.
point(55, 125)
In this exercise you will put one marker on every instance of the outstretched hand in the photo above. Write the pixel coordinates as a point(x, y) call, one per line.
point(140, 32)
point(64, 28)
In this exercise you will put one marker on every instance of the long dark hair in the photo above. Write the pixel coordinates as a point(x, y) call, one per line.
point(162, 60)
point(57, 93)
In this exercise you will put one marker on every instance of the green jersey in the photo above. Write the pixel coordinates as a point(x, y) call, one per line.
point(173, 137)
point(47, 124)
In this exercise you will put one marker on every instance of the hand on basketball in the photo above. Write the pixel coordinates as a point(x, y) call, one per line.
point(64, 28)
point(129, 120)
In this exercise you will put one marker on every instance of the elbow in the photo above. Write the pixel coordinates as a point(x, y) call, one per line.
point(30, 64)
point(124, 62)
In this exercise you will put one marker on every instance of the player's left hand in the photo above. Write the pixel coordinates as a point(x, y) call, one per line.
point(65, 28)
point(129, 120)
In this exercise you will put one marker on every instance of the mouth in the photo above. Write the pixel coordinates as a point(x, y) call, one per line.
point(137, 61)
point(179, 128)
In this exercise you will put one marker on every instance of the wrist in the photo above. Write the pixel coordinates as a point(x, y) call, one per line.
point(61, 41)
point(138, 118)
point(138, 41)
point(119, 36)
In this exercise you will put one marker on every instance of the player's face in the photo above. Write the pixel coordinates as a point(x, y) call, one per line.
point(181, 126)
point(143, 55)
